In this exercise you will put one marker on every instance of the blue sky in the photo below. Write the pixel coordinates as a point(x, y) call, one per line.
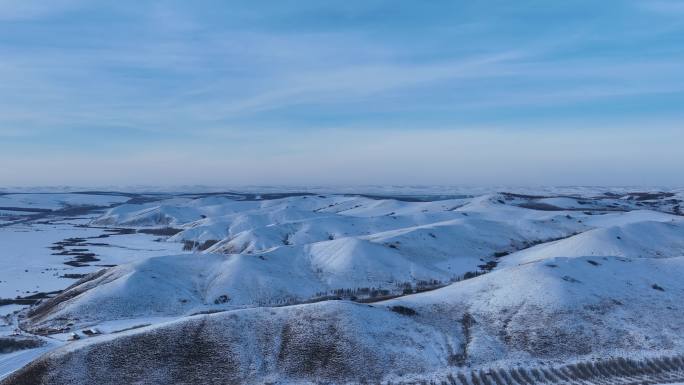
point(341, 92)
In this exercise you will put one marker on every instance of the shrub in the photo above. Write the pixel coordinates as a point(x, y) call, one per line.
point(472, 274)
point(206, 244)
point(164, 231)
point(403, 310)
point(657, 287)
point(9, 345)
point(223, 298)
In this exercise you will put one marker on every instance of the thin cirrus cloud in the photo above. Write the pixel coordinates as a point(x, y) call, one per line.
point(100, 80)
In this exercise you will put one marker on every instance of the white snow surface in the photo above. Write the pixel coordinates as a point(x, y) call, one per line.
point(54, 201)
point(587, 273)
point(299, 248)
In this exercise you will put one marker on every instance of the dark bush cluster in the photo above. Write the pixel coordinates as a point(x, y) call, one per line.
point(10, 344)
point(200, 246)
point(223, 298)
point(403, 310)
point(164, 231)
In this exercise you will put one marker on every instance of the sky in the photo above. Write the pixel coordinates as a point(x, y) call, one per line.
point(350, 92)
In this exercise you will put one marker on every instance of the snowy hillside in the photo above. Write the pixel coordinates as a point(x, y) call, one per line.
point(349, 288)
point(555, 310)
point(648, 239)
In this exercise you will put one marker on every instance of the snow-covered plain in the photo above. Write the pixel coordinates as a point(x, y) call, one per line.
point(287, 287)
point(53, 201)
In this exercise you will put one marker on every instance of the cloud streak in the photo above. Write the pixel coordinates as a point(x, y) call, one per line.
point(465, 157)
point(77, 76)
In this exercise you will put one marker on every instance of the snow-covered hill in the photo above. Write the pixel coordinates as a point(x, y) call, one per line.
point(347, 288)
point(647, 239)
point(552, 310)
point(297, 254)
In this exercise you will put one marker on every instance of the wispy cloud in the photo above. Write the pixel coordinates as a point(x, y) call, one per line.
point(356, 83)
point(161, 75)
point(18, 10)
point(672, 8)
point(471, 156)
